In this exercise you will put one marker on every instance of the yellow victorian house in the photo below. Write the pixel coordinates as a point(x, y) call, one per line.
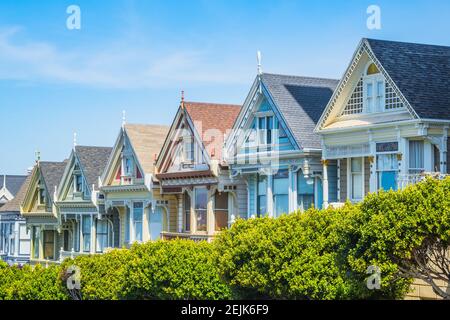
point(127, 186)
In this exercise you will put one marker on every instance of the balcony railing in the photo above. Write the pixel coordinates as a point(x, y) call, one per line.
point(405, 180)
point(187, 236)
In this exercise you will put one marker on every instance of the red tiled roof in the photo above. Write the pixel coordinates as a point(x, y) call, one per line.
point(213, 122)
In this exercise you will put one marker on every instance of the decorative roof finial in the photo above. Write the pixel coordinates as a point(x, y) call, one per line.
point(124, 113)
point(74, 140)
point(38, 156)
point(182, 99)
point(4, 181)
point(258, 57)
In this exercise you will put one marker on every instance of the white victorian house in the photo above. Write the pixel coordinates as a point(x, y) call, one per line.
point(387, 122)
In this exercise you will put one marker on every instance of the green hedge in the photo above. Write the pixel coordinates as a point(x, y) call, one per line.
point(29, 283)
point(313, 255)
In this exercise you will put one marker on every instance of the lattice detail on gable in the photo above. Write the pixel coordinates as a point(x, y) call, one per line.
point(355, 103)
point(393, 101)
point(363, 48)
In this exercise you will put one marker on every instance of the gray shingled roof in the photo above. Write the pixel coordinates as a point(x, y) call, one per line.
point(93, 161)
point(301, 101)
point(421, 72)
point(52, 173)
point(14, 204)
point(13, 183)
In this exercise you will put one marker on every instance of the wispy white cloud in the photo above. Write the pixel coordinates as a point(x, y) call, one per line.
point(122, 64)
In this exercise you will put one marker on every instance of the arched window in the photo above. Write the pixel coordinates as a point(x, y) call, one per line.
point(373, 90)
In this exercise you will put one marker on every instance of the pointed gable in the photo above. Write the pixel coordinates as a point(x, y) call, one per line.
point(135, 150)
point(146, 141)
point(12, 183)
point(421, 72)
point(14, 204)
point(212, 122)
point(51, 173)
point(416, 77)
point(301, 101)
point(93, 161)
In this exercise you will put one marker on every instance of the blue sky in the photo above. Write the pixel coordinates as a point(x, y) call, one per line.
point(138, 55)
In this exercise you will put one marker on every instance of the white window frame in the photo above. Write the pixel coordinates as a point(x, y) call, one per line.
point(377, 170)
point(350, 179)
point(374, 79)
point(263, 132)
point(416, 170)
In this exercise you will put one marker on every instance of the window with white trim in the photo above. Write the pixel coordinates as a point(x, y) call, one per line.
point(138, 212)
point(416, 156)
point(372, 94)
point(356, 179)
point(265, 129)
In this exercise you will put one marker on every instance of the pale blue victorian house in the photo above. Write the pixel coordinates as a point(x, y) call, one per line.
point(273, 146)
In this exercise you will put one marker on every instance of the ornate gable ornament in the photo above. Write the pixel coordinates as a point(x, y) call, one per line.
point(363, 47)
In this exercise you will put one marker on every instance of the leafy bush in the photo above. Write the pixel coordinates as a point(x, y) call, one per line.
point(394, 231)
point(177, 269)
point(293, 257)
point(31, 283)
point(102, 276)
point(313, 255)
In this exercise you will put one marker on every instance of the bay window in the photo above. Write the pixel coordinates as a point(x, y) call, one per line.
point(138, 212)
point(416, 157)
point(261, 195)
point(102, 235)
point(201, 205)
point(356, 178)
point(281, 192)
point(86, 230)
point(387, 170)
point(36, 242)
point(221, 210)
point(187, 212)
point(49, 244)
point(387, 165)
point(305, 191)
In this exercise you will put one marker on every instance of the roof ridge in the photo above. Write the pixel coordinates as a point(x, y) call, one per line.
point(301, 77)
point(213, 103)
point(406, 42)
point(77, 146)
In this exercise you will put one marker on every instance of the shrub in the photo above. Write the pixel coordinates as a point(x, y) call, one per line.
point(177, 269)
point(31, 283)
point(293, 257)
point(102, 276)
point(399, 232)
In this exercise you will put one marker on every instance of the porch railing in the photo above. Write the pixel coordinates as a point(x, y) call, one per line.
point(405, 180)
point(188, 236)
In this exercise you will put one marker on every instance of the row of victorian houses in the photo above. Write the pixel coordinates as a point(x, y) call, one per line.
point(296, 142)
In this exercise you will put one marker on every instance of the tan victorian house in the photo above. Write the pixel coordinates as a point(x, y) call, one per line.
point(191, 169)
point(128, 190)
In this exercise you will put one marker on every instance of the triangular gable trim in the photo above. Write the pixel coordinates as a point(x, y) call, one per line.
point(110, 172)
point(243, 120)
point(27, 202)
point(363, 46)
point(73, 159)
point(163, 158)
